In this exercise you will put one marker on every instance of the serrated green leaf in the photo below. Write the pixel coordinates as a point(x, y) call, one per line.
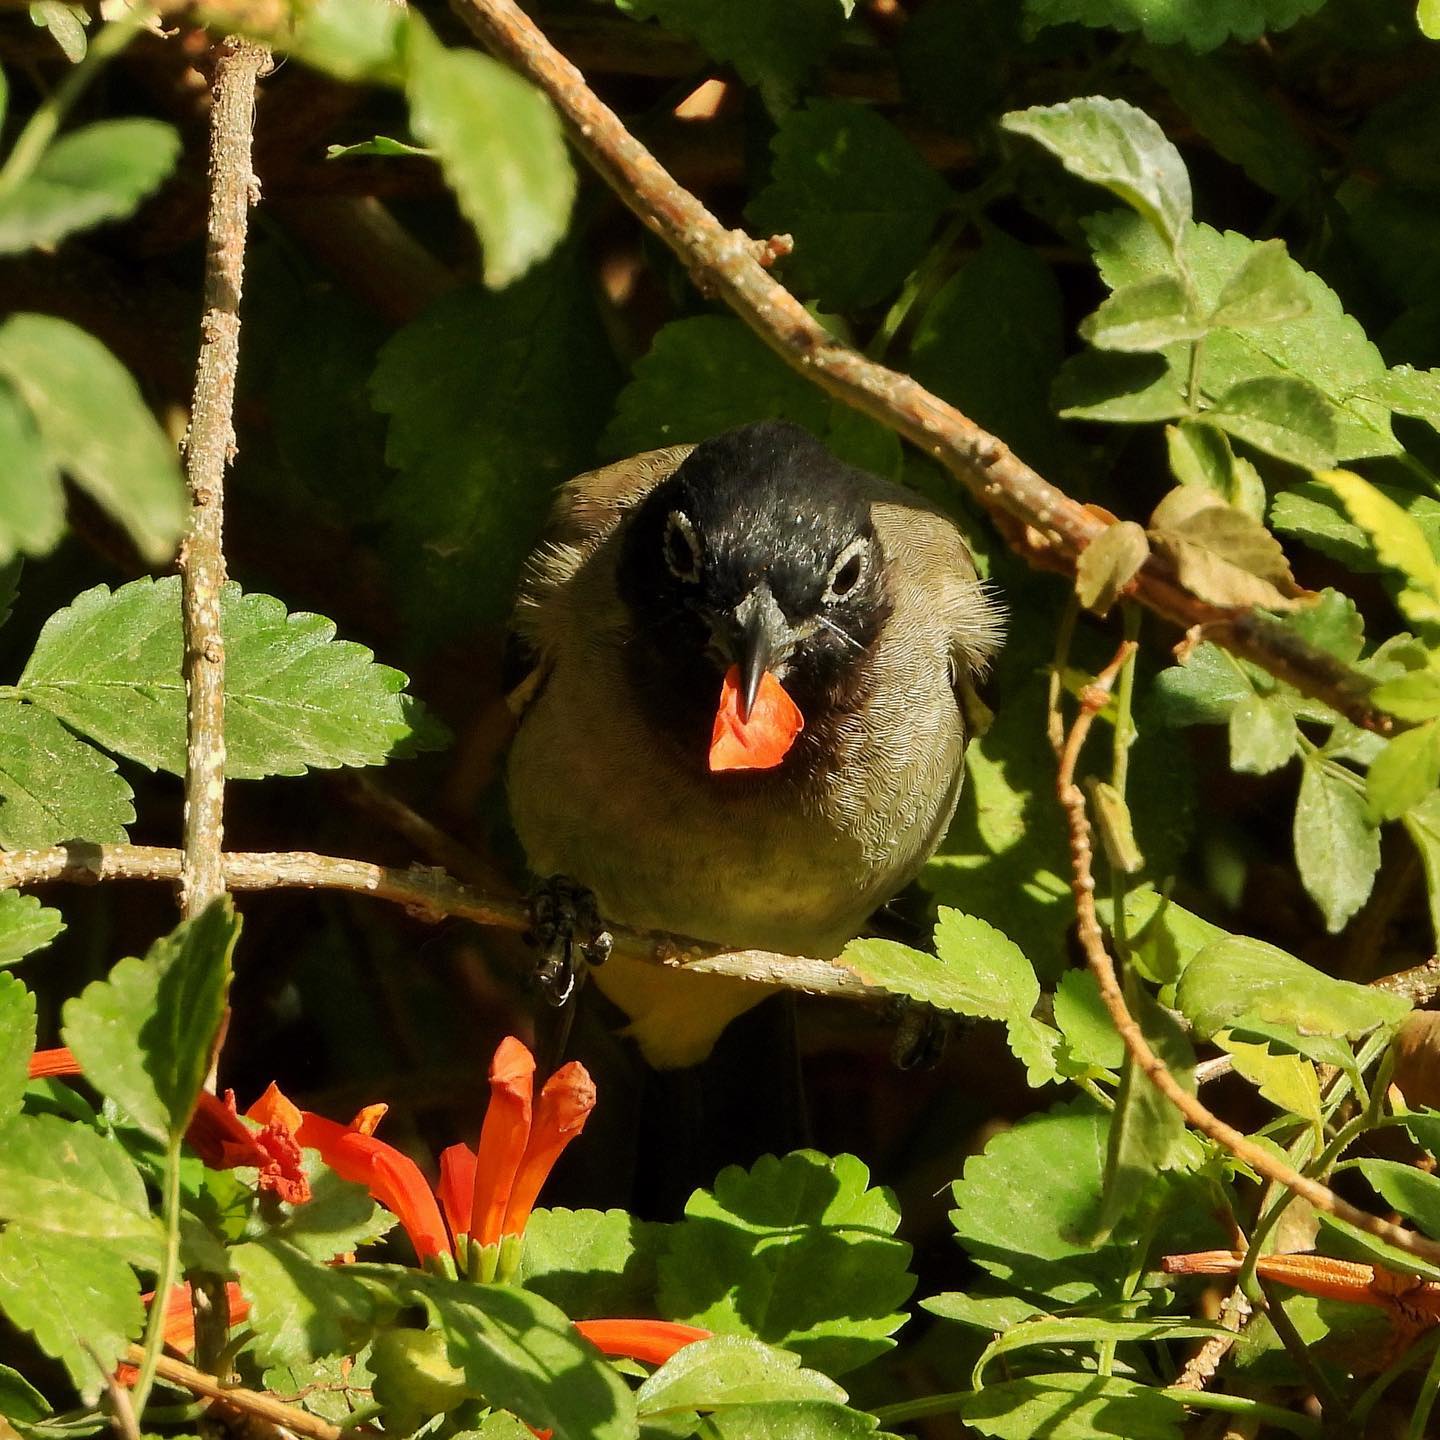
point(1148, 316)
point(300, 1309)
point(592, 1263)
point(96, 427)
point(1090, 1034)
point(1263, 734)
point(65, 1179)
point(1263, 291)
point(1114, 144)
point(499, 144)
point(143, 1036)
point(1398, 540)
point(981, 1312)
point(1325, 347)
point(794, 1420)
point(708, 373)
point(726, 1371)
point(1202, 690)
point(1415, 696)
point(25, 926)
point(1422, 823)
point(1119, 389)
point(1403, 773)
point(1412, 1192)
point(1287, 1081)
point(32, 504)
point(1337, 847)
point(79, 1299)
point(1408, 391)
point(1146, 1130)
point(857, 198)
point(772, 47)
point(1201, 455)
point(54, 787)
point(1332, 624)
point(338, 1217)
point(98, 172)
point(1288, 419)
point(334, 1388)
point(1236, 980)
point(295, 697)
point(978, 970)
point(795, 1252)
point(1073, 1406)
point(1163, 936)
point(523, 1355)
point(17, 1043)
point(1036, 1046)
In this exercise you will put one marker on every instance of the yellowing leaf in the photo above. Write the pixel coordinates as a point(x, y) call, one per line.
point(1288, 1081)
point(1109, 563)
point(1398, 540)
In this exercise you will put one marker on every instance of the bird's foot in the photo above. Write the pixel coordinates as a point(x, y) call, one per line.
point(565, 928)
point(921, 1033)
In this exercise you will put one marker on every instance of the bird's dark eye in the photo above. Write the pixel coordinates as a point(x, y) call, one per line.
point(846, 572)
point(682, 550)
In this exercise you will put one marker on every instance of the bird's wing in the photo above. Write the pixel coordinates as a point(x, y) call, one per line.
point(586, 511)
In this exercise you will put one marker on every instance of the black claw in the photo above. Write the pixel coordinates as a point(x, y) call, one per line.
point(565, 928)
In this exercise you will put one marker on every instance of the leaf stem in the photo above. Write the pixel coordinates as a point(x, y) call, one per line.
point(164, 1278)
point(32, 142)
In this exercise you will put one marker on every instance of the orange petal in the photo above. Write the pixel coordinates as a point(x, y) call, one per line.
point(274, 1108)
point(560, 1115)
point(762, 741)
point(222, 1140)
point(457, 1185)
point(654, 1341)
point(368, 1117)
point(503, 1138)
point(179, 1328)
point(53, 1062)
point(392, 1178)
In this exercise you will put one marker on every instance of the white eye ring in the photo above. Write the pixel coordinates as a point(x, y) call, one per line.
point(679, 527)
point(857, 550)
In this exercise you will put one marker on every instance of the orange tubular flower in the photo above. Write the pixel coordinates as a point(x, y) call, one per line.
point(565, 1106)
point(218, 1135)
point(503, 1139)
point(653, 1341)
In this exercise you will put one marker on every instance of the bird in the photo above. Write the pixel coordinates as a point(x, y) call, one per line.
point(743, 712)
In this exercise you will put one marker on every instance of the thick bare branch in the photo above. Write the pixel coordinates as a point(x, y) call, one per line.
point(429, 894)
point(1046, 524)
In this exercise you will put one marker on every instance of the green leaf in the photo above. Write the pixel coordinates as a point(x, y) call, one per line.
point(994, 1313)
point(706, 374)
point(300, 1309)
point(592, 1263)
point(1085, 1331)
point(1427, 17)
point(1325, 347)
point(19, 1399)
point(1236, 980)
point(384, 145)
point(65, 1179)
point(1202, 690)
point(1408, 391)
point(143, 1036)
point(295, 697)
point(337, 1387)
point(1073, 1406)
point(1265, 290)
point(1119, 389)
point(25, 926)
point(1403, 773)
point(1398, 540)
point(772, 47)
point(1415, 696)
point(1412, 1192)
point(1090, 1034)
point(977, 971)
point(1171, 22)
point(1337, 847)
point(795, 1252)
point(1200, 454)
point(1146, 1130)
point(338, 1217)
point(1164, 937)
point(1220, 553)
point(99, 172)
point(857, 198)
point(54, 787)
point(17, 1043)
point(79, 1299)
point(727, 1370)
point(32, 504)
point(523, 1355)
point(794, 1420)
point(1114, 144)
point(1263, 734)
point(478, 463)
point(1288, 419)
point(66, 24)
point(1287, 1081)
point(1422, 822)
point(992, 339)
point(1026, 1205)
point(95, 426)
point(499, 144)
point(1148, 316)
point(352, 42)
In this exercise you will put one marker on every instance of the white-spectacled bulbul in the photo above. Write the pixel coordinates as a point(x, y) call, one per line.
point(745, 721)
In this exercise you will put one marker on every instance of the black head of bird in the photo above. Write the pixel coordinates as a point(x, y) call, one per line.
point(757, 560)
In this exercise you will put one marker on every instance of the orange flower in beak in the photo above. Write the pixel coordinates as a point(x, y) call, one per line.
point(757, 739)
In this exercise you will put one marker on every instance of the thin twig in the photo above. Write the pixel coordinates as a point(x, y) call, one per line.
point(1092, 941)
point(1041, 520)
point(252, 1402)
point(209, 447)
point(429, 894)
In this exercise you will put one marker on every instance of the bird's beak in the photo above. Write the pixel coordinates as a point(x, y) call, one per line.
point(765, 639)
